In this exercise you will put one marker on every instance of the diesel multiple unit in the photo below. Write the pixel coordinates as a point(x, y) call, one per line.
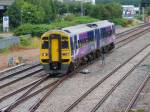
point(64, 50)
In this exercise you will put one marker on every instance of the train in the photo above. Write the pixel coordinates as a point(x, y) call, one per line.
point(66, 49)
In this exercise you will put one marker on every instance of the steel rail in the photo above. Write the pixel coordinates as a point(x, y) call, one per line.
point(116, 85)
point(19, 90)
point(119, 35)
point(12, 68)
point(37, 104)
point(9, 108)
point(131, 38)
point(137, 33)
point(18, 79)
point(134, 98)
point(18, 72)
point(101, 81)
point(29, 96)
point(34, 107)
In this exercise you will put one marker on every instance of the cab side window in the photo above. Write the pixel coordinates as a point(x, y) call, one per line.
point(64, 43)
point(45, 45)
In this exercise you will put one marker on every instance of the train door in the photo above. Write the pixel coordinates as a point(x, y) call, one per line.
point(75, 44)
point(55, 51)
point(97, 36)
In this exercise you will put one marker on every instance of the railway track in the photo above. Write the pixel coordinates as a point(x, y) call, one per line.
point(34, 85)
point(51, 86)
point(39, 69)
point(105, 78)
point(131, 37)
point(18, 90)
point(12, 68)
point(119, 35)
point(134, 98)
point(19, 71)
point(26, 97)
point(37, 104)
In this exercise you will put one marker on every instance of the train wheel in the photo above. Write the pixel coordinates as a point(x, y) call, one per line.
point(89, 57)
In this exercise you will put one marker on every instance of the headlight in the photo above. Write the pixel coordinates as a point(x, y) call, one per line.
point(44, 54)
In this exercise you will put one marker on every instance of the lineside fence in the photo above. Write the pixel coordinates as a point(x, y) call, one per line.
point(8, 42)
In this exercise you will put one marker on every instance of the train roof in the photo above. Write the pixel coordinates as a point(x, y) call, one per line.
point(87, 27)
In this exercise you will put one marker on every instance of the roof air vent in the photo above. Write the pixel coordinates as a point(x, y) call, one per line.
point(67, 31)
point(92, 25)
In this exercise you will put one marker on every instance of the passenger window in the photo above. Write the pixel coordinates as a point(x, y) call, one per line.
point(79, 43)
point(45, 45)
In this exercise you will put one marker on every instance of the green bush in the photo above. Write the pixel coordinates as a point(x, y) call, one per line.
point(24, 42)
point(122, 22)
point(1, 27)
point(5, 50)
point(38, 30)
point(139, 17)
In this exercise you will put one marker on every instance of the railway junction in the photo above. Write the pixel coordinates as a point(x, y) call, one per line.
point(121, 85)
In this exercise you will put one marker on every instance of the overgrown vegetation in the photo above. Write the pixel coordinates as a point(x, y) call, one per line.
point(4, 50)
point(48, 11)
point(27, 42)
point(38, 16)
point(38, 30)
point(147, 11)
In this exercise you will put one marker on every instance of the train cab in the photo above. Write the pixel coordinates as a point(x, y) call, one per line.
point(55, 52)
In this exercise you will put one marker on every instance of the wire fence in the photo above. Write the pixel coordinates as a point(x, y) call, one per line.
point(8, 42)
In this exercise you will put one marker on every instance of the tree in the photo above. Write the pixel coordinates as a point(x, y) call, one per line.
point(104, 11)
point(147, 11)
point(23, 12)
point(49, 7)
point(32, 13)
point(14, 14)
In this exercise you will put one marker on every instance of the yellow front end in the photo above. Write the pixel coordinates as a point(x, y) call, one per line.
point(55, 53)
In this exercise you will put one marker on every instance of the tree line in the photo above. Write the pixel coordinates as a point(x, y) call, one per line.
point(47, 11)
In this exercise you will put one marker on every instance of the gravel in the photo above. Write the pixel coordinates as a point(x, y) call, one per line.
point(120, 98)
